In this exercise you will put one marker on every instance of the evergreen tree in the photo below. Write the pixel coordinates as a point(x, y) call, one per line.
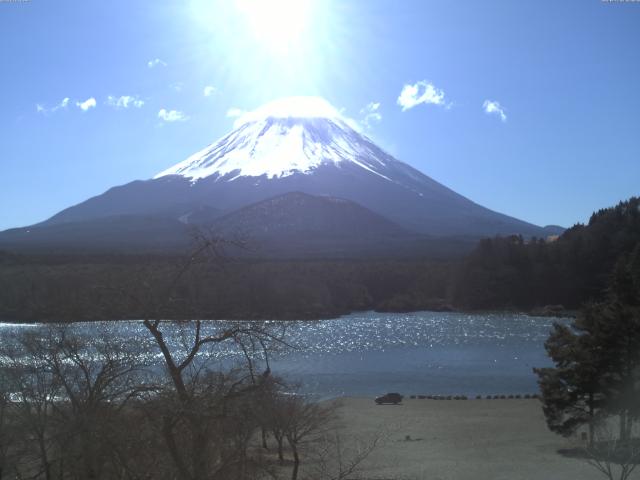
point(597, 359)
point(572, 392)
point(620, 337)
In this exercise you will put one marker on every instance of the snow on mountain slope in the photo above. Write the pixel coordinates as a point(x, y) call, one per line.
point(293, 135)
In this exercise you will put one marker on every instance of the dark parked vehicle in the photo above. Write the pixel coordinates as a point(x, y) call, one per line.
point(394, 398)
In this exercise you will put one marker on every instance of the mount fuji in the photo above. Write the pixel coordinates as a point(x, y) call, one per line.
point(299, 145)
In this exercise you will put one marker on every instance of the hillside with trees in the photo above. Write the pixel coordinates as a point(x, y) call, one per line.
point(509, 272)
point(502, 273)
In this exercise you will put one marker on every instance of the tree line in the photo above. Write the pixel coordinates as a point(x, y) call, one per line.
point(511, 272)
point(91, 288)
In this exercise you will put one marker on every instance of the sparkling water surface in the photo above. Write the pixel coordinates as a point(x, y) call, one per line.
point(365, 354)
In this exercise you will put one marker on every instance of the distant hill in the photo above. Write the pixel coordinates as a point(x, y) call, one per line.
point(298, 225)
point(298, 213)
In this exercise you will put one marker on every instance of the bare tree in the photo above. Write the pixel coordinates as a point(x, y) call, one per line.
point(272, 415)
point(313, 434)
point(199, 397)
point(68, 390)
point(305, 422)
point(616, 459)
point(34, 390)
point(97, 378)
point(6, 430)
point(333, 458)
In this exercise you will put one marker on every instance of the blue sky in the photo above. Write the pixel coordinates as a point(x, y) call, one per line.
point(531, 108)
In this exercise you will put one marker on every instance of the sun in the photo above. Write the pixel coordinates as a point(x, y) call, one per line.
point(279, 26)
point(279, 48)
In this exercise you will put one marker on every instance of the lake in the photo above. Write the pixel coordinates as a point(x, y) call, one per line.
point(365, 354)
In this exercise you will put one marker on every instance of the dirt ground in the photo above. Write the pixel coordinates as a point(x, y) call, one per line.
point(463, 440)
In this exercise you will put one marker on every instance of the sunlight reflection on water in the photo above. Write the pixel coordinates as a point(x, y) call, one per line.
point(368, 353)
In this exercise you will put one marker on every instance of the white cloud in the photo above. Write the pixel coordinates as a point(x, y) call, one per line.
point(64, 103)
point(493, 107)
point(235, 112)
point(420, 92)
point(209, 90)
point(172, 116)
point(156, 62)
point(311, 107)
point(178, 86)
point(371, 114)
point(238, 114)
point(124, 101)
point(87, 104)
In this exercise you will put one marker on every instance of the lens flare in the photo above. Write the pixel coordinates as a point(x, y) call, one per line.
point(278, 25)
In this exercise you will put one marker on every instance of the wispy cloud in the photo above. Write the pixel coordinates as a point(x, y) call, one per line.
point(371, 114)
point(87, 104)
point(155, 63)
point(209, 90)
point(235, 112)
point(492, 107)
point(64, 103)
point(177, 86)
point(420, 92)
point(172, 116)
point(124, 101)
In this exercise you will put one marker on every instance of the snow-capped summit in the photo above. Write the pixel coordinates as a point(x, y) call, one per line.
point(287, 136)
point(292, 107)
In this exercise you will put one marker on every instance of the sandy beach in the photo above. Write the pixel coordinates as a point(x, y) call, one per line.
point(463, 440)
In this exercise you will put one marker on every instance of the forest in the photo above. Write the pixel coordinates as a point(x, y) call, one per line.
point(514, 273)
point(545, 276)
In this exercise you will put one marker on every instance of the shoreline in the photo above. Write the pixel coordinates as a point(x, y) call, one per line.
point(567, 314)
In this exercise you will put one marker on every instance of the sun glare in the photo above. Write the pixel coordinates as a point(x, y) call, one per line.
point(278, 25)
point(281, 47)
point(291, 107)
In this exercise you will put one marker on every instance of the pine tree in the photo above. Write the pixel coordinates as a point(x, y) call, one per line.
point(572, 392)
point(621, 315)
point(597, 359)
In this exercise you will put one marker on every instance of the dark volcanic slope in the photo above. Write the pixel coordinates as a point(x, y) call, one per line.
point(298, 213)
point(118, 233)
point(297, 224)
